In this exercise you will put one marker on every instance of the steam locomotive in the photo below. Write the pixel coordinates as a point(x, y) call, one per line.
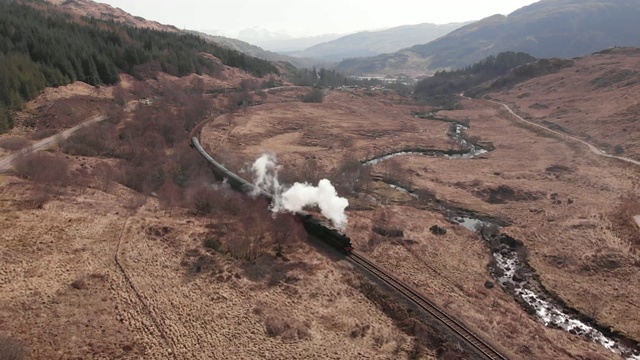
point(312, 225)
point(327, 233)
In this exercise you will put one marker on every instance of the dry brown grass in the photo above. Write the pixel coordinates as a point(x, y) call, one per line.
point(548, 190)
point(171, 289)
point(590, 99)
point(428, 339)
point(66, 247)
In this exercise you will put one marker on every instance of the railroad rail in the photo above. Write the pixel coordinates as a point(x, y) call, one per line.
point(465, 334)
point(474, 341)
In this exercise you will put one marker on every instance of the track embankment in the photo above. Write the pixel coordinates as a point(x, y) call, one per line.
point(480, 346)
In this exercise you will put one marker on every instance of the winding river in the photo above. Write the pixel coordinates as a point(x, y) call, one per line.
point(511, 269)
point(468, 149)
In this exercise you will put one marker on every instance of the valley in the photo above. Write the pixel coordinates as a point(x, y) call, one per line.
point(554, 205)
point(551, 207)
point(507, 192)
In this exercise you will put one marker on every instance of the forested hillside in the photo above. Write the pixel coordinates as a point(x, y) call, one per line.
point(439, 87)
point(41, 47)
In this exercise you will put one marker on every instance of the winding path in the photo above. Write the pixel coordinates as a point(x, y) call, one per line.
point(591, 147)
point(7, 162)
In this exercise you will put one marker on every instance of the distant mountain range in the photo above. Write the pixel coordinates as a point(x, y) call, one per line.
point(277, 41)
point(281, 42)
point(548, 28)
point(370, 43)
point(256, 51)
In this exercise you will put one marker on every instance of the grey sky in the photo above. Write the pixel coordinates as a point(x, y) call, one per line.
point(311, 17)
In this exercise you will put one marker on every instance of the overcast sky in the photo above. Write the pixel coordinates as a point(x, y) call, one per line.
point(311, 17)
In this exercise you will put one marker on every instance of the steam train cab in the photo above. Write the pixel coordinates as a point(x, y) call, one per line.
point(325, 232)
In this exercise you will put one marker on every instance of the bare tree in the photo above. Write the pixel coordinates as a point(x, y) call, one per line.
point(347, 175)
point(43, 168)
point(119, 95)
point(170, 194)
point(286, 231)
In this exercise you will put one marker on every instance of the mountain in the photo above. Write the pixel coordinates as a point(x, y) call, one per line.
point(548, 28)
point(442, 86)
point(370, 43)
point(595, 97)
point(43, 47)
point(255, 51)
point(107, 12)
point(280, 41)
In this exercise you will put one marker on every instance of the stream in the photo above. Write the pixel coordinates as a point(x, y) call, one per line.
point(511, 269)
point(513, 273)
point(469, 150)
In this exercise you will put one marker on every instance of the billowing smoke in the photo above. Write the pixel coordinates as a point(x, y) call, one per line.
point(265, 171)
point(295, 198)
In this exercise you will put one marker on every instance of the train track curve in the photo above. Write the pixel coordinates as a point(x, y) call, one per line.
point(481, 346)
point(475, 342)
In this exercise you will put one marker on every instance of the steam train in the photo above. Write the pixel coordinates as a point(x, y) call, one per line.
point(327, 233)
point(312, 225)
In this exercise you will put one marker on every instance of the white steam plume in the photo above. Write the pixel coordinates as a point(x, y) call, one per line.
point(299, 195)
point(265, 171)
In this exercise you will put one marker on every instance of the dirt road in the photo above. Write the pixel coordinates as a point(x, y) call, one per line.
point(7, 161)
point(593, 149)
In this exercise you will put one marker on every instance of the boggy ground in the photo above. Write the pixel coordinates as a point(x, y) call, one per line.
point(92, 269)
point(559, 198)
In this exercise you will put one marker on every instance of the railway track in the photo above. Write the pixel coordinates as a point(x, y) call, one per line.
point(465, 334)
point(480, 346)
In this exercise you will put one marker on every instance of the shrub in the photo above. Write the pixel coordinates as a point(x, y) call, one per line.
point(286, 230)
point(350, 176)
point(43, 133)
point(39, 197)
point(278, 324)
point(80, 283)
point(135, 202)
point(207, 199)
point(202, 199)
point(169, 194)
point(43, 168)
point(105, 175)
point(187, 165)
point(13, 143)
point(212, 243)
point(622, 219)
point(314, 96)
point(94, 140)
point(11, 349)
